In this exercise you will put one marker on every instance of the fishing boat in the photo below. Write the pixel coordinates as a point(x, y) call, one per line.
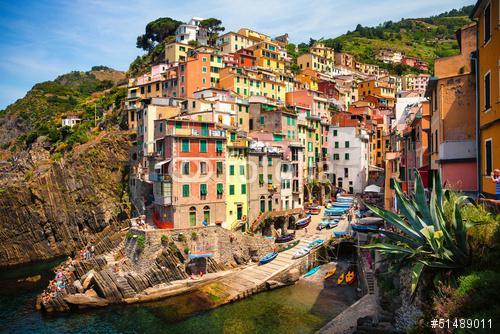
point(350, 277)
point(342, 204)
point(285, 238)
point(312, 271)
point(330, 273)
point(344, 199)
point(268, 258)
point(313, 209)
point(324, 223)
point(287, 246)
point(340, 234)
point(301, 223)
point(335, 211)
point(340, 279)
point(364, 228)
point(301, 252)
point(316, 243)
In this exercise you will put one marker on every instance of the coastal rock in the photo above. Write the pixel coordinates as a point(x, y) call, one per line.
point(31, 279)
point(84, 300)
point(87, 279)
point(52, 208)
point(78, 286)
point(91, 293)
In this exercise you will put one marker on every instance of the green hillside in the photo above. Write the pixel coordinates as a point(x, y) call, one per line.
point(39, 112)
point(425, 38)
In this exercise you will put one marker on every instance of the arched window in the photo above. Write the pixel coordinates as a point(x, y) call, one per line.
point(270, 203)
point(262, 204)
point(206, 214)
point(192, 216)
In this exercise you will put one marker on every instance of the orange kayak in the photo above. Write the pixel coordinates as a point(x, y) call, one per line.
point(340, 279)
point(330, 273)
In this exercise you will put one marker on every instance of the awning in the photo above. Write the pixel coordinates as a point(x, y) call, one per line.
point(373, 188)
point(373, 168)
point(161, 163)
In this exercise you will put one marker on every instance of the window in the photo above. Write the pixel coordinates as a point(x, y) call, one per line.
point(487, 91)
point(262, 120)
point(335, 133)
point(192, 216)
point(219, 168)
point(203, 146)
point(185, 190)
point(231, 169)
point(269, 178)
point(203, 168)
point(488, 156)
point(178, 125)
point(231, 189)
point(206, 214)
point(346, 172)
point(203, 191)
point(487, 23)
point(336, 144)
point(242, 170)
point(185, 168)
point(269, 161)
point(261, 179)
point(347, 156)
point(243, 189)
point(220, 190)
point(204, 69)
point(219, 146)
point(347, 144)
point(185, 145)
point(262, 204)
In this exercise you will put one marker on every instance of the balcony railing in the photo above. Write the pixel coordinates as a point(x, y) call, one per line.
point(195, 132)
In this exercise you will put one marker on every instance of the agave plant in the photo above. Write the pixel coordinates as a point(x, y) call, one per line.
point(427, 238)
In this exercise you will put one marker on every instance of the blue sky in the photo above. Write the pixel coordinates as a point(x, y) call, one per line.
point(44, 38)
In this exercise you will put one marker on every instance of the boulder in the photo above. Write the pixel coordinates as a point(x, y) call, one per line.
point(31, 279)
point(88, 279)
point(78, 286)
point(84, 300)
point(91, 293)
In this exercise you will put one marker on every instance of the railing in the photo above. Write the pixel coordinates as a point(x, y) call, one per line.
point(194, 132)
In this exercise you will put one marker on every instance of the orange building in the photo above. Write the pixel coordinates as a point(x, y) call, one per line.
point(194, 74)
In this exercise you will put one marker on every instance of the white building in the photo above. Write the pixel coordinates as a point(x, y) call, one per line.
point(70, 121)
point(191, 31)
point(349, 147)
point(286, 185)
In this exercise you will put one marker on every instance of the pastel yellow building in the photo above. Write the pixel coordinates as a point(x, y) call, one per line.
point(236, 180)
point(267, 56)
point(319, 49)
point(314, 62)
point(247, 83)
point(232, 42)
point(176, 52)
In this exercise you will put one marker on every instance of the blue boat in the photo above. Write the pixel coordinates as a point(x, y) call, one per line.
point(316, 243)
point(312, 271)
point(335, 211)
point(268, 258)
point(340, 234)
point(301, 252)
point(364, 228)
point(344, 199)
point(342, 204)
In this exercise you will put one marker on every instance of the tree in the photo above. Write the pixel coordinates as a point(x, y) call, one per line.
point(338, 46)
point(157, 31)
point(213, 26)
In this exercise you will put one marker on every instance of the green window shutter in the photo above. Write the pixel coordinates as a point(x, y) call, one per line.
point(335, 132)
point(219, 146)
point(231, 170)
point(185, 190)
point(346, 144)
point(233, 136)
point(178, 125)
point(269, 178)
point(219, 167)
point(241, 121)
point(242, 170)
point(203, 189)
point(185, 145)
point(243, 189)
point(203, 146)
point(220, 188)
point(262, 120)
point(261, 179)
point(336, 144)
point(239, 107)
point(269, 161)
point(347, 156)
point(231, 189)
point(246, 109)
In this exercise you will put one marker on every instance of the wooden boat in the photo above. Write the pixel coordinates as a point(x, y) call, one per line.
point(287, 246)
point(316, 243)
point(340, 279)
point(364, 228)
point(312, 271)
point(301, 223)
point(268, 258)
point(285, 238)
point(330, 273)
point(301, 252)
point(313, 209)
point(350, 277)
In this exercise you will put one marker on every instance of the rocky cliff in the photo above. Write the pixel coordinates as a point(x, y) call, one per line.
point(50, 207)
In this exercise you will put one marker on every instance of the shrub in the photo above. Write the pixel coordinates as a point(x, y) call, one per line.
point(164, 239)
point(194, 235)
point(186, 250)
point(129, 235)
point(140, 241)
point(181, 237)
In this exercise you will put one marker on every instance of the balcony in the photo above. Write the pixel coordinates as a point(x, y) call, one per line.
point(157, 177)
point(190, 132)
